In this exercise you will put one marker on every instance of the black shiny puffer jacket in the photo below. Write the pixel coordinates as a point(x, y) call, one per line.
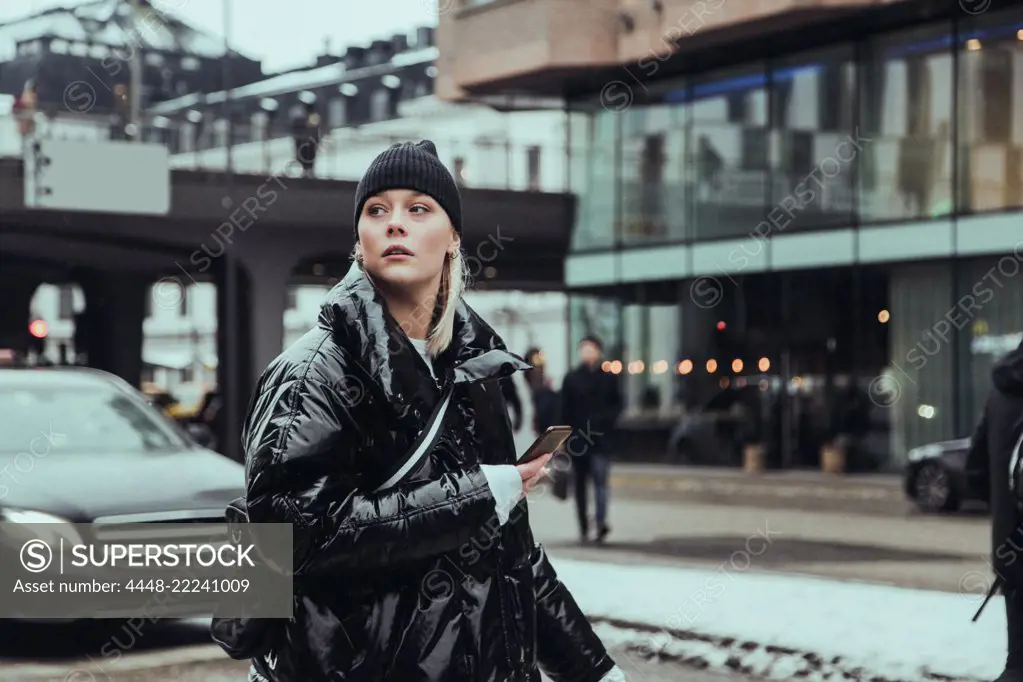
point(416, 583)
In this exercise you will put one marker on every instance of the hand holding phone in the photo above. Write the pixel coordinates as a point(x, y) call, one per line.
point(532, 472)
point(532, 465)
point(549, 442)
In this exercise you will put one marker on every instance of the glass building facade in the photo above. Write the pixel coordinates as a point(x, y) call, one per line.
point(835, 229)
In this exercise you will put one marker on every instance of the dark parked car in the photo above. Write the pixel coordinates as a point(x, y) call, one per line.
point(935, 476)
point(82, 446)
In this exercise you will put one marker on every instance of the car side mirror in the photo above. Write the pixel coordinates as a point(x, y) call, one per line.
point(201, 434)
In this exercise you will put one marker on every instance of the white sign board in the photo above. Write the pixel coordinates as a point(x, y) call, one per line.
point(98, 176)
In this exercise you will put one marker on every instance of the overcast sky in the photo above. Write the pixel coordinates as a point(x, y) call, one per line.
point(282, 33)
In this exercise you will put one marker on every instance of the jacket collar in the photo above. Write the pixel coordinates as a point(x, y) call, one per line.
point(355, 311)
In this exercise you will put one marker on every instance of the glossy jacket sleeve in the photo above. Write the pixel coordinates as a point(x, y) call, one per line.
point(567, 648)
point(978, 461)
point(295, 439)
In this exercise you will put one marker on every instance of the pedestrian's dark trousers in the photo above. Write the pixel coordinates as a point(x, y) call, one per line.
point(591, 465)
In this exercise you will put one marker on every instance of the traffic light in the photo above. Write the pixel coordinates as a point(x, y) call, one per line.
point(38, 330)
point(721, 339)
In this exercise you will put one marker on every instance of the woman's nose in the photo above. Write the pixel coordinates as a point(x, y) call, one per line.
point(396, 228)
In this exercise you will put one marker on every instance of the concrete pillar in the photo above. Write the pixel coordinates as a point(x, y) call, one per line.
point(263, 276)
point(267, 299)
point(111, 324)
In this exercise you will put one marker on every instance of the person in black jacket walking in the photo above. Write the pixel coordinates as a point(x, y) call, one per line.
point(546, 401)
point(993, 454)
point(590, 404)
point(406, 570)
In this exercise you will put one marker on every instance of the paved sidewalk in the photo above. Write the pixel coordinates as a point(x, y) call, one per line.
point(922, 551)
point(811, 490)
point(791, 476)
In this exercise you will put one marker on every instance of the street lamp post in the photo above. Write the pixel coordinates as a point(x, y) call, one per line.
point(135, 90)
point(232, 391)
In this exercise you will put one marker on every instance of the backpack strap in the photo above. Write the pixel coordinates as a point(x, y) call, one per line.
point(237, 511)
point(424, 443)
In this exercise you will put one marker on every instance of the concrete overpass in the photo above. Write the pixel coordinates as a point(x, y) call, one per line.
point(274, 226)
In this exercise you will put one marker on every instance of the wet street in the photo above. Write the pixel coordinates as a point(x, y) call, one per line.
point(903, 548)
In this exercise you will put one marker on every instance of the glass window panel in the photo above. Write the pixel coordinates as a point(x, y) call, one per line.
point(187, 137)
point(991, 112)
point(813, 147)
point(918, 383)
point(652, 340)
point(905, 170)
point(654, 173)
point(728, 153)
point(635, 332)
point(220, 128)
point(380, 104)
point(989, 313)
point(533, 168)
point(337, 112)
point(597, 315)
point(594, 151)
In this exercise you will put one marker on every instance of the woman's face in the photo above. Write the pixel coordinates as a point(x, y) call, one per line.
point(404, 236)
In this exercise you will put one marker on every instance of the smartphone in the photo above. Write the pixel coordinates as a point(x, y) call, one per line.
point(549, 441)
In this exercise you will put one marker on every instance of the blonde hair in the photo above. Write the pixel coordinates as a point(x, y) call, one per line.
point(452, 286)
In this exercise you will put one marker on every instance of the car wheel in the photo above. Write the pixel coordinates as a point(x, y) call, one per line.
point(932, 488)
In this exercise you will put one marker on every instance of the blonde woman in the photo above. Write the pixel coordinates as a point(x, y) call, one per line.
point(411, 570)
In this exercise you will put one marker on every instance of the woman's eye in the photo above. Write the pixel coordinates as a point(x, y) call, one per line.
point(375, 210)
point(419, 208)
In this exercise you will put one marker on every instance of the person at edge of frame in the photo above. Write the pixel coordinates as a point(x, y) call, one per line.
point(992, 469)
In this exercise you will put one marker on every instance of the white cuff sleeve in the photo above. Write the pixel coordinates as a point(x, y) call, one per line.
point(506, 486)
point(615, 674)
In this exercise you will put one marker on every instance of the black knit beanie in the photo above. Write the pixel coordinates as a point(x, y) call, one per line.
point(414, 166)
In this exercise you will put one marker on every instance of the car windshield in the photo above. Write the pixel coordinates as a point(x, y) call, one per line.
point(81, 419)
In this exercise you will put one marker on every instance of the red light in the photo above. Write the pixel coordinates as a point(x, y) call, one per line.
point(721, 326)
point(38, 329)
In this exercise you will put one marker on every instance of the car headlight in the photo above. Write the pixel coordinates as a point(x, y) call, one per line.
point(39, 525)
point(924, 452)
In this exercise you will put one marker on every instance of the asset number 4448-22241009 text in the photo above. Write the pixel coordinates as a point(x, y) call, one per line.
point(186, 585)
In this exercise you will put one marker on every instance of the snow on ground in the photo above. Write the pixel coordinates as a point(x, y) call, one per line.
point(778, 625)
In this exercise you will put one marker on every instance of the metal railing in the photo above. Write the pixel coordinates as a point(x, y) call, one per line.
point(340, 154)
